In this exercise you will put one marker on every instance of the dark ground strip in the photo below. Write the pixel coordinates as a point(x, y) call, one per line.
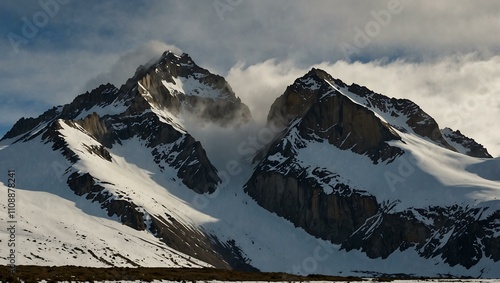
point(73, 273)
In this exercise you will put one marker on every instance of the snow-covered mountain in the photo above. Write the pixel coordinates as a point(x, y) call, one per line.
point(375, 174)
point(353, 182)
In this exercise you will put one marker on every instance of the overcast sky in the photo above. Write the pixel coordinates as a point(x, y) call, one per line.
point(444, 55)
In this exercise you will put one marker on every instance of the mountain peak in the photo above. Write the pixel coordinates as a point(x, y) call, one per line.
point(325, 113)
point(177, 84)
point(317, 72)
point(170, 56)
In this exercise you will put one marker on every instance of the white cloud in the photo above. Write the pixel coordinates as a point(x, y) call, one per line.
point(259, 85)
point(312, 31)
point(125, 66)
point(461, 92)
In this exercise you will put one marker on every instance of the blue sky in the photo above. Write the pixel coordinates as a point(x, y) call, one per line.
point(445, 56)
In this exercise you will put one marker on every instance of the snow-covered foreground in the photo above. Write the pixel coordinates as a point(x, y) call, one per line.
point(56, 227)
point(54, 231)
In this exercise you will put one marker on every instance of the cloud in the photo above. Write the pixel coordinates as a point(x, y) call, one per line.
point(461, 91)
point(125, 66)
point(226, 152)
point(312, 31)
point(259, 85)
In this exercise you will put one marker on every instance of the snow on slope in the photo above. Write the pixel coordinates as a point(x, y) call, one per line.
point(54, 231)
point(446, 135)
point(56, 227)
point(487, 169)
point(425, 175)
point(192, 87)
point(116, 108)
point(133, 174)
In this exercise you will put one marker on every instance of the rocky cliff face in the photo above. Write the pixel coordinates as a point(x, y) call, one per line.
point(301, 200)
point(453, 233)
point(98, 98)
point(315, 111)
point(299, 97)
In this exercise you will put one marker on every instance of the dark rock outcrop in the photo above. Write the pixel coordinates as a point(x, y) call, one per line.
point(298, 97)
point(349, 126)
point(387, 232)
point(331, 217)
point(472, 148)
point(101, 96)
point(52, 135)
point(167, 146)
point(96, 128)
point(23, 126)
point(317, 112)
